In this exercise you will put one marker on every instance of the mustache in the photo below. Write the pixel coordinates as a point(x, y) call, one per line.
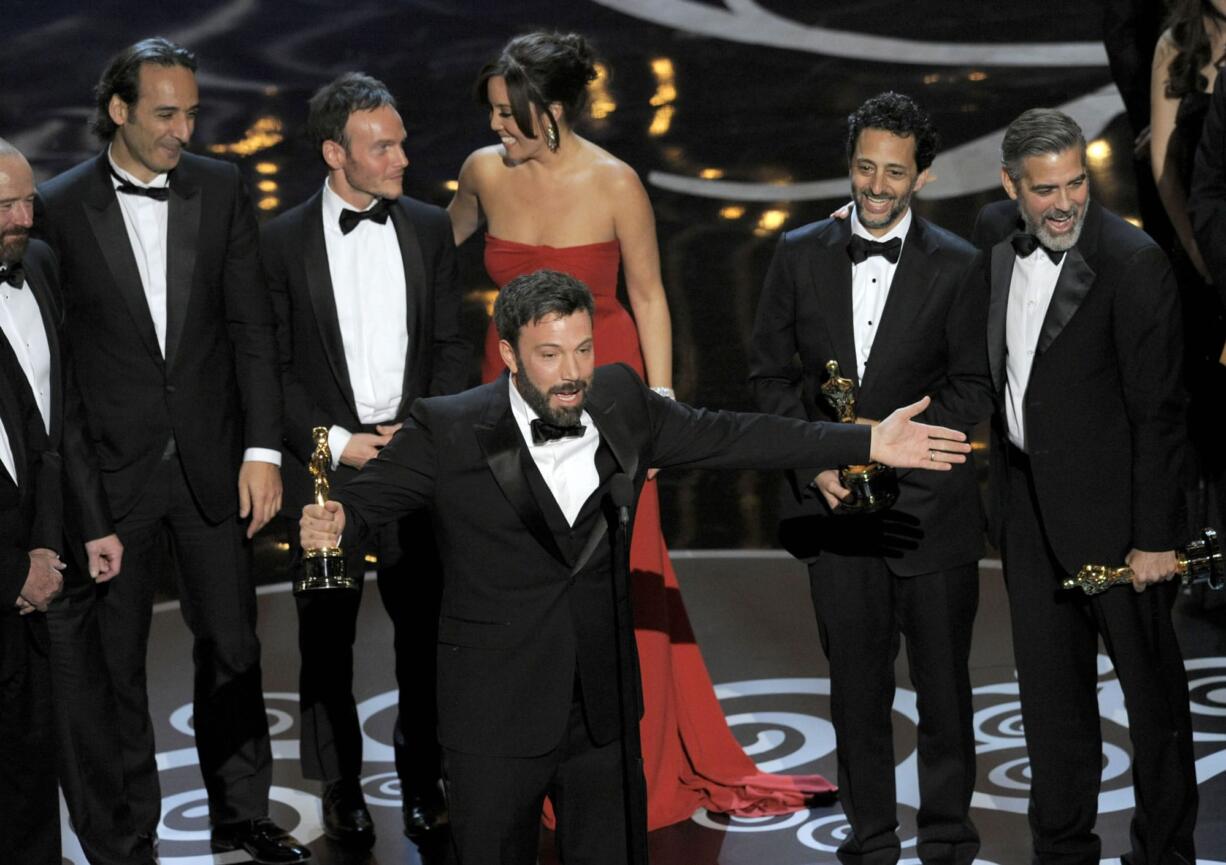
point(1057, 213)
point(567, 388)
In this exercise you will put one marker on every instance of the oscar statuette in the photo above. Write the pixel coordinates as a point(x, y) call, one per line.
point(323, 569)
point(1199, 562)
point(873, 486)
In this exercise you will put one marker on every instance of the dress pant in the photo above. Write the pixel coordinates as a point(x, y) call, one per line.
point(217, 600)
point(331, 734)
point(29, 800)
point(495, 803)
point(90, 767)
point(1055, 644)
point(862, 610)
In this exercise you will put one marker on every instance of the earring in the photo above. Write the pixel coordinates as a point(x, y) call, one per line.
point(551, 137)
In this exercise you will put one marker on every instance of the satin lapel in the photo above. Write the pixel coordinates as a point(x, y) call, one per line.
point(106, 221)
point(908, 291)
point(10, 410)
point(613, 431)
point(417, 294)
point(51, 313)
point(1072, 286)
point(182, 241)
point(831, 277)
point(323, 299)
point(1003, 258)
point(503, 447)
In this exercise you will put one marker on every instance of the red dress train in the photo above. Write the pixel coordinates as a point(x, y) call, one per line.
point(690, 757)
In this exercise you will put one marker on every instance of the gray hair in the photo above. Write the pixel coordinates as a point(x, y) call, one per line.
point(1037, 132)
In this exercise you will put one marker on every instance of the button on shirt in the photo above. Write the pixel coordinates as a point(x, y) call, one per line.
point(568, 465)
point(1030, 291)
point(372, 310)
point(870, 286)
point(145, 220)
point(22, 323)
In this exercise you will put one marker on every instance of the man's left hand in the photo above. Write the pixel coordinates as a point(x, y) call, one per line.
point(1149, 568)
point(105, 557)
point(259, 493)
point(904, 443)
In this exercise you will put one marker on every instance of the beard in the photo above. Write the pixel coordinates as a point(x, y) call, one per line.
point(13, 245)
point(1037, 225)
point(539, 399)
point(900, 205)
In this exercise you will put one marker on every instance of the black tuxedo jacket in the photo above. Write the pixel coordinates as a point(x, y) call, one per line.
point(517, 619)
point(929, 342)
point(1207, 198)
point(1104, 409)
point(86, 516)
point(315, 378)
point(218, 389)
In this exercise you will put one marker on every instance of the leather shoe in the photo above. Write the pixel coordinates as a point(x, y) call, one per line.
point(423, 814)
point(346, 819)
point(261, 839)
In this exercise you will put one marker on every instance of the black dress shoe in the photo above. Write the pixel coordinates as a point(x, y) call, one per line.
point(423, 815)
point(346, 819)
point(261, 839)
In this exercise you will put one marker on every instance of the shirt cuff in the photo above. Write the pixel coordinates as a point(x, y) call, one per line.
point(262, 455)
point(338, 440)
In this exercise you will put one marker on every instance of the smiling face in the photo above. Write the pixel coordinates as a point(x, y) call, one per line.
point(883, 178)
point(1051, 196)
point(154, 130)
point(502, 121)
point(552, 365)
point(16, 207)
point(372, 165)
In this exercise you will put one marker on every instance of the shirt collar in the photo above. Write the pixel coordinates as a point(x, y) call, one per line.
point(900, 230)
point(159, 180)
point(333, 204)
point(524, 414)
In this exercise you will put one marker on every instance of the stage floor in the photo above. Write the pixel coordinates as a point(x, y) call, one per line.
point(753, 618)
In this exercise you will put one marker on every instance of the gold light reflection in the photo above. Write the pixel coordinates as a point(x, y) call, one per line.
point(1098, 152)
point(267, 186)
point(661, 122)
point(371, 559)
point(601, 103)
point(451, 185)
point(263, 134)
point(711, 173)
point(664, 97)
point(977, 75)
point(932, 78)
point(731, 211)
point(770, 221)
point(1135, 220)
point(282, 546)
point(268, 202)
point(485, 298)
point(266, 168)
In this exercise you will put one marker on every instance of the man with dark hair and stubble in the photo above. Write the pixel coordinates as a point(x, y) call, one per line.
point(172, 338)
point(1089, 442)
point(892, 298)
point(364, 288)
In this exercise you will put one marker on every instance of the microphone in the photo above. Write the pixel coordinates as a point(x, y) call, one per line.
point(621, 492)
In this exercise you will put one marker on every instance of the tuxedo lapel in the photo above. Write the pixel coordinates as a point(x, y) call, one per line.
point(1074, 282)
point(51, 314)
point(831, 282)
point(106, 222)
point(182, 239)
point(613, 431)
point(908, 291)
point(504, 451)
point(417, 294)
point(1003, 258)
point(323, 298)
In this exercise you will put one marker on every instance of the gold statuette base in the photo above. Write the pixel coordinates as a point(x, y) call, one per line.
point(323, 570)
point(874, 487)
point(1199, 562)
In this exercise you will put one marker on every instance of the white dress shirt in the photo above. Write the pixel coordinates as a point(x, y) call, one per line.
point(22, 323)
point(568, 465)
point(146, 221)
point(870, 287)
point(6, 453)
point(371, 308)
point(1030, 291)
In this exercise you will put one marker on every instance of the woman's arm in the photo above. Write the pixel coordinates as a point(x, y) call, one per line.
point(465, 206)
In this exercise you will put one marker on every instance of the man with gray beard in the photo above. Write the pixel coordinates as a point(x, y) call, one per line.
point(1088, 443)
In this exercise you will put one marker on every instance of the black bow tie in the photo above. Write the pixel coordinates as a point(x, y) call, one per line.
point(860, 248)
point(378, 213)
point(1025, 244)
point(14, 275)
point(157, 193)
point(544, 431)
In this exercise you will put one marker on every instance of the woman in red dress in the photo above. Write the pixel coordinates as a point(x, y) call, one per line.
point(553, 200)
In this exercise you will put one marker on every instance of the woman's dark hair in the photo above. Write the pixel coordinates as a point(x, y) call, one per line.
point(122, 78)
point(1187, 26)
point(541, 68)
point(900, 115)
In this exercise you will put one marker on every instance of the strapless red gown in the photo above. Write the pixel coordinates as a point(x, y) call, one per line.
point(690, 758)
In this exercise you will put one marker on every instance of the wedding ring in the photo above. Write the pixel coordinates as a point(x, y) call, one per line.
point(932, 455)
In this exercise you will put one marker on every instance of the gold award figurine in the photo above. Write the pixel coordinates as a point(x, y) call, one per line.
point(1199, 562)
point(873, 486)
point(323, 569)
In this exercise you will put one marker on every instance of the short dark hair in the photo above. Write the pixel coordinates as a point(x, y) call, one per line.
point(122, 78)
point(1037, 132)
point(541, 68)
point(530, 297)
point(901, 115)
point(332, 104)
